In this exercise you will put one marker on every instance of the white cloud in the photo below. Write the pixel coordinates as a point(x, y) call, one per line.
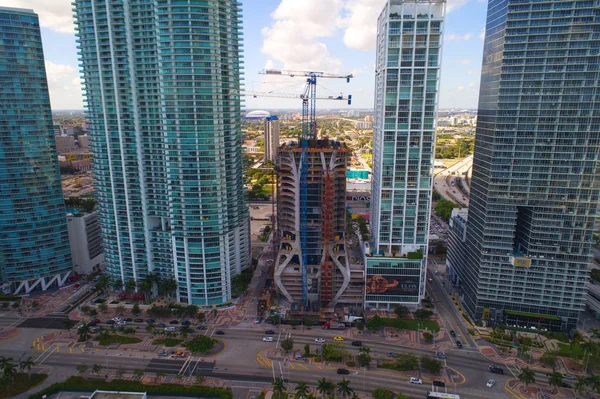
point(360, 23)
point(471, 72)
point(482, 34)
point(452, 5)
point(64, 85)
point(460, 88)
point(465, 62)
point(293, 39)
point(54, 14)
point(453, 36)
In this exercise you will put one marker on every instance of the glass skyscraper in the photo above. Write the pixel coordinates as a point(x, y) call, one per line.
point(162, 84)
point(520, 256)
point(34, 245)
point(409, 46)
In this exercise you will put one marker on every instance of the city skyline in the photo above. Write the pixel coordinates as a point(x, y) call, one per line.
point(341, 28)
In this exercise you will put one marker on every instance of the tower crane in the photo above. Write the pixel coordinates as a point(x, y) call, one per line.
point(309, 132)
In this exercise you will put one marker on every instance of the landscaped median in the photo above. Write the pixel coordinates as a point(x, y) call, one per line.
point(80, 384)
point(21, 382)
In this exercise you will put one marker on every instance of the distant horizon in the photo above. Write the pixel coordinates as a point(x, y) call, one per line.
point(298, 109)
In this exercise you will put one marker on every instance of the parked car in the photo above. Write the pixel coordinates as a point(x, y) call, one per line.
point(171, 329)
point(565, 385)
point(163, 353)
point(320, 340)
point(269, 321)
point(268, 339)
point(128, 320)
point(161, 325)
point(97, 321)
point(452, 333)
point(270, 332)
point(220, 332)
point(138, 320)
point(415, 380)
point(490, 383)
point(343, 371)
point(569, 377)
point(338, 338)
point(185, 323)
point(440, 355)
point(356, 343)
point(150, 321)
point(174, 322)
point(439, 383)
point(110, 322)
point(459, 344)
point(392, 354)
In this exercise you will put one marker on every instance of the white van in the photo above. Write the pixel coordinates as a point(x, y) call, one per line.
point(170, 329)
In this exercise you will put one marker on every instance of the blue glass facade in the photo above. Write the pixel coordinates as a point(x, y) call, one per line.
point(523, 257)
point(34, 245)
point(162, 84)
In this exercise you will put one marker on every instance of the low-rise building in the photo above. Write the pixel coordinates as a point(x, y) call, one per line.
point(85, 240)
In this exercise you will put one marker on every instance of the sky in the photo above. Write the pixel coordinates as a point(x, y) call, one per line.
point(333, 36)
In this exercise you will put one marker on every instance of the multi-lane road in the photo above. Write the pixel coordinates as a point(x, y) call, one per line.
point(443, 182)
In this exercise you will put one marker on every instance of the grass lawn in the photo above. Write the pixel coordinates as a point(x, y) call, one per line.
point(573, 350)
point(167, 342)
point(22, 383)
point(412, 325)
point(119, 339)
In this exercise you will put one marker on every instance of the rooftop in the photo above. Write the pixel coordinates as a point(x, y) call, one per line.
point(118, 395)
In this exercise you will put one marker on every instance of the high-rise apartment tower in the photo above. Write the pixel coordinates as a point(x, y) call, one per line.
point(162, 84)
point(521, 255)
point(34, 244)
point(271, 138)
point(409, 47)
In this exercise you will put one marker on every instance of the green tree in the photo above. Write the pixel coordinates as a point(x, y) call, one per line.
point(119, 374)
point(427, 336)
point(84, 331)
point(135, 310)
point(103, 283)
point(137, 374)
point(306, 350)
point(381, 393)
point(201, 317)
point(120, 310)
point(430, 364)
point(555, 379)
point(308, 322)
point(343, 388)
point(301, 390)
point(375, 323)
point(527, 376)
point(130, 285)
point(360, 325)
point(549, 359)
point(334, 351)
point(117, 285)
point(594, 382)
point(324, 386)
point(401, 311)
point(159, 375)
point(364, 357)
point(8, 374)
point(423, 314)
point(184, 331)
point(287, 345)
point(443, 208)
point(168, 287)
point(279, 388)
point(581, 384)
point(102, 307)
point(81, 368)
point(406, 361)
point(146, 287)
point(96, 368)
point(26, 364)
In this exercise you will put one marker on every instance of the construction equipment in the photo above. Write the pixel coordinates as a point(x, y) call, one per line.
point(309, 132)
point(257, 94)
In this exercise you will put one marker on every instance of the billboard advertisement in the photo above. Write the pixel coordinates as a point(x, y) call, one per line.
point(378, 284)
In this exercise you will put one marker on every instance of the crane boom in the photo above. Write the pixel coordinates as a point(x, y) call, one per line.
point(298, 96)
point(282, 72)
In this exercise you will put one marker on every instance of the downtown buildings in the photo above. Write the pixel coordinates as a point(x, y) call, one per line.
point(520, 257)
point(409, 39)
point(271, 138)
point(162, 86)
point(34, 245)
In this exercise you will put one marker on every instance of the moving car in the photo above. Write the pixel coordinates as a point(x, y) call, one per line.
point(338, 338)
point(343, 371)
point(495, 369)
point(459, 344)
point(356, 343)
point(185, 323)
point(270, 332)
point(220, 332)
point(268, 339)
point(490, 383)
point(161, 325)
point(415, 380)
point(392, 354)
point(174, 322)
point(139, 320)
point(163, 353)
point(172, 329)
point(150, 321)
point(439, 383)
point(452, 333)
point(440, 355)
point(320, 340)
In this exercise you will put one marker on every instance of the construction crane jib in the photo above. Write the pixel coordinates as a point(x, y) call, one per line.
point(309, 131)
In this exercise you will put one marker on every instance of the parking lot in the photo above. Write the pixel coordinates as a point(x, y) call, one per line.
point(259, 215)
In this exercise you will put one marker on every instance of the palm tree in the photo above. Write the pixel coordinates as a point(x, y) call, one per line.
point(344, 388)
point(594, 382)
point(185, 331)
point(168, 287)
point(26, 364)
point(159, 374)
point(84, 331)
point(130, 285)
point(594, 332)
point(117, 285)
point(9, 370)
point(301, 390)
point(324, 386)
point(103, 283)
point(580, 384)
point(527, 376)
point(149, 327)
point(4, 361)
point(279, 387)
point(146, 287)
point(555, 379)
point(137, 373)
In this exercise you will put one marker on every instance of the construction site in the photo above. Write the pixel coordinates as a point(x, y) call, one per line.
point(319, 265)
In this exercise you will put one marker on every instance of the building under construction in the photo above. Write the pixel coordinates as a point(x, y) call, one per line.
point(331, 275)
